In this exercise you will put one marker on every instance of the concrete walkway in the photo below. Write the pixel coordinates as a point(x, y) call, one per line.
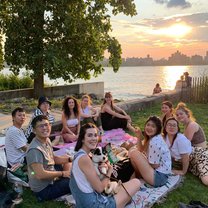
point(6, 120)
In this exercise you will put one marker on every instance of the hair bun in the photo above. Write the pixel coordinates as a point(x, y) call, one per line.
point(181, 105)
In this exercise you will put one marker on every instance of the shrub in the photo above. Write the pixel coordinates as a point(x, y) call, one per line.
point(11, 82)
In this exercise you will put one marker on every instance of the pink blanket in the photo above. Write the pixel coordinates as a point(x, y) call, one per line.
point(115, 136)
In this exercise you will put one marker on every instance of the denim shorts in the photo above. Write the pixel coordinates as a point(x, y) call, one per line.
point(160, 179)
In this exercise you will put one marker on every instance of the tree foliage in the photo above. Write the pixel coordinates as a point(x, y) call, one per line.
point(1, 52)
point(65, 39)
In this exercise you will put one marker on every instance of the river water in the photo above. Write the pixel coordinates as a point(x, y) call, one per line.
point(138, 82)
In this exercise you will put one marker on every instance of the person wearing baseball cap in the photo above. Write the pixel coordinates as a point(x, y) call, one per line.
point(43, 108)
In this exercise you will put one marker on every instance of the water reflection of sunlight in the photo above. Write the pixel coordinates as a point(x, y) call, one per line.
point(172, 74)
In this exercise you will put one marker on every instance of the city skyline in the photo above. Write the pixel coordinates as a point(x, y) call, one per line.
point(175, 59)
point(162, 27)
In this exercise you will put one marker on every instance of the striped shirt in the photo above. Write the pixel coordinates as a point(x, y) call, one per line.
point(38, 112)
point(15, 140)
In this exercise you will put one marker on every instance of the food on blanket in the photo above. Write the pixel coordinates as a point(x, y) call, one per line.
point(127, 145)
point(122, 155)
point(120, 152)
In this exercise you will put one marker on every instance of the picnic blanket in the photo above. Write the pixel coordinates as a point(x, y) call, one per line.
point(115, 137)
point(147, 196)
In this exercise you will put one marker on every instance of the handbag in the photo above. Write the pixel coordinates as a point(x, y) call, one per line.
point(122, 170)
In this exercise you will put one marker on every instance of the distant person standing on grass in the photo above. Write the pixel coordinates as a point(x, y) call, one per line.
point(157, 89)
point(180, 84)
point(188, 79)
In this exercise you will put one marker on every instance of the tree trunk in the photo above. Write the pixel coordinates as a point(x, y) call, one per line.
point(38, 86)
point(37, 43)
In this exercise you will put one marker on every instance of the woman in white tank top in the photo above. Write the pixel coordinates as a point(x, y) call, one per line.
point(85, 185)
point(90, 114)
point(70, 119)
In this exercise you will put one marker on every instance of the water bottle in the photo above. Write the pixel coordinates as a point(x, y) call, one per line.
point(111, 157)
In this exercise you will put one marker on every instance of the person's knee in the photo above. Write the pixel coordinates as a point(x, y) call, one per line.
point(134, 154)
point(205, 180)
point(136, 183)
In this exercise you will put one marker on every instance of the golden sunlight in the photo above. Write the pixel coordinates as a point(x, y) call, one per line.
point(172, 74)
point(177, 30)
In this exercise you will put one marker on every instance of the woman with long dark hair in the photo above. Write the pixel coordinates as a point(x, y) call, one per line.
point(167, 111)
point(113, 117)
point(179, 145)
point(70, 119)
point(85, 185)
point(151, 160)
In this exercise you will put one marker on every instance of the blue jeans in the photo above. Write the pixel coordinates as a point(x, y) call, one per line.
point(160, 179)
point(91, 200)
point(55, 190)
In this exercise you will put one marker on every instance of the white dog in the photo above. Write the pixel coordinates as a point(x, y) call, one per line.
point(98, 157)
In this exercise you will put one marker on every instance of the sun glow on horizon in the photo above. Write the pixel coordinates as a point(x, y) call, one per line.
point(172, 74)
point(176, 30)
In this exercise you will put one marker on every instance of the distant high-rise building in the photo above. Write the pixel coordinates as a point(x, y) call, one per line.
point(206, 58)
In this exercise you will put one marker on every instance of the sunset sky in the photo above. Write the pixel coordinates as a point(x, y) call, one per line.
point(162, 27)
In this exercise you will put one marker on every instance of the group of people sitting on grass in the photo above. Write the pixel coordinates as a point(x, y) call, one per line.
point(161, 150)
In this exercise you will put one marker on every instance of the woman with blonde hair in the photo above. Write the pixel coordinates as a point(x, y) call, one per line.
point(90, 114)
point(194, 132)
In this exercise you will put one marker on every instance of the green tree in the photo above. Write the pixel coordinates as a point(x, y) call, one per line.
point(65, 39)
point(1, 52)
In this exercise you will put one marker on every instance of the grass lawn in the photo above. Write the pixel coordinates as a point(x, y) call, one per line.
point(191, 189)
